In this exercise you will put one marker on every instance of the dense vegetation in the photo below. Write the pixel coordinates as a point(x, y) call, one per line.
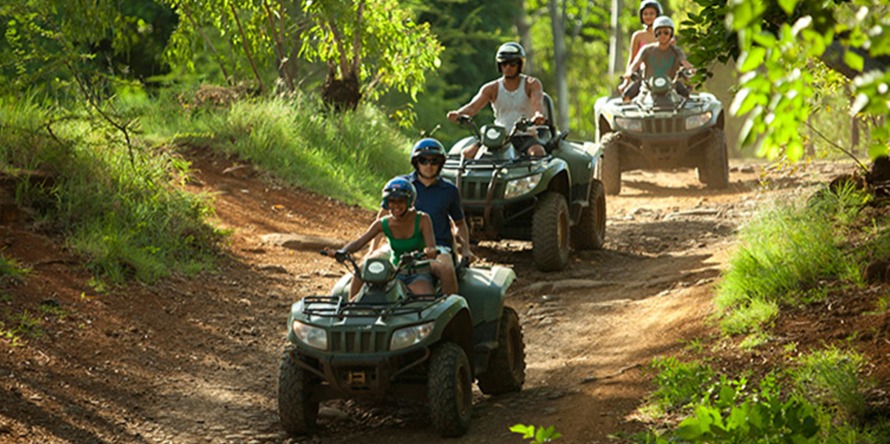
point(96, 104)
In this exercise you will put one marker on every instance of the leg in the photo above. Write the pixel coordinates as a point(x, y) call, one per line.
point(470, 152)
point(443, 268)
point(536, 150)
point(422, 287)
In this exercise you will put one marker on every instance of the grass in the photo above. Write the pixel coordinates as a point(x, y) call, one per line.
point(11, 269)
point(347, 156)
point(786, 253)
point(120, 206)
point(831, 377)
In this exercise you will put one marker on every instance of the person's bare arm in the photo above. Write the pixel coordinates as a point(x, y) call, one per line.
point(463, 233)
point(429, 239)
point(635, 65)
point(536, 100)
point(634, 47)
point(375, 243)
point(372, 232)
point(485, 96)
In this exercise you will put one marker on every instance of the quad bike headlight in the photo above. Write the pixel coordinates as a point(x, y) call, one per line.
point(312, 336)
point(629, 124)
point(408, 336)
point(522, 186)
point(698, 120)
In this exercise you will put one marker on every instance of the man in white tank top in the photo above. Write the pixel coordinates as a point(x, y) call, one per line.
point(513, 96)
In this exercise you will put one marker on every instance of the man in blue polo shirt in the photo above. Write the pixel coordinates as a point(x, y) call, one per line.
point(440, 199)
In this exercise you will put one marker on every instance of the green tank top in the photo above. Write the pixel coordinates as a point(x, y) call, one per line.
point(402, 246)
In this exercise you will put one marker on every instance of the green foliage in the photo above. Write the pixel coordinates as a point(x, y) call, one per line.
point(348, 156)
point(537, 436)
point(10, 268)
point(376, 40)
point(732, 412)
point(679, 383)
point(778, 42)
point(785, 252)
point(733, 417)
point(830, 377)
point(15, 328)
point(118, 205)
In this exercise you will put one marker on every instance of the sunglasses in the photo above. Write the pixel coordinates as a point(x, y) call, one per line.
point(660, 33)
point(429, 161)
point(510, 63)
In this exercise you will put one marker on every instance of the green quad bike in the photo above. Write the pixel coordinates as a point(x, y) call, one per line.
point(556, 201)
point(388, 342)
point(662, 130)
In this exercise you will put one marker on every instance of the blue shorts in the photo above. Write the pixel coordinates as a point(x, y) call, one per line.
point(410, 278)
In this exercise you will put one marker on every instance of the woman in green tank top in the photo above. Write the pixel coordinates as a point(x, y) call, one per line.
point(406, 229)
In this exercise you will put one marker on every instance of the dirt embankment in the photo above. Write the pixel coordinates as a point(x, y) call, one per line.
point(196, 360)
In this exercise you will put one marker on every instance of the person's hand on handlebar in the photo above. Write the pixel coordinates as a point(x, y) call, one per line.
point(539, 119)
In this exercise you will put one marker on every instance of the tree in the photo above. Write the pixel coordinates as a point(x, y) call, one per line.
point(369, 46)
point(776, 42)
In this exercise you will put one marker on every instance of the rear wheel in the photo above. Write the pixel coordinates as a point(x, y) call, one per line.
point(550, 232)
point(715, 171)
point(590, 233)
point(450, 390)
point(296, 407)
point(506, 366)
point(611, 163)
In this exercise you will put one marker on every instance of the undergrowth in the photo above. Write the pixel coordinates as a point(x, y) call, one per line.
point(119, 205)
point(786, 255)
point(348, 156)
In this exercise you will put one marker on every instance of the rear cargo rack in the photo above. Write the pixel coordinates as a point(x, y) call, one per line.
point(336, 307)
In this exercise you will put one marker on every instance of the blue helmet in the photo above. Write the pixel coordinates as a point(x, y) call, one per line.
point(399, 188)
point(427, 147)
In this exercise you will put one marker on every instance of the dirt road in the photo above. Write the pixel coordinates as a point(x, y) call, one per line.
point(196, 360)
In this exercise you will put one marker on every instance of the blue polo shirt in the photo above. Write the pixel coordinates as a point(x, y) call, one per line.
point(441, 201)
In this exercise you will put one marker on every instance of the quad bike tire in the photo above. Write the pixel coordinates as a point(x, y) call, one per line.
point(297, 408)
point(590, 233)
point(611, 163)
point(506, 365)
point(715, 171)
point(450, 390)
point(550, 232)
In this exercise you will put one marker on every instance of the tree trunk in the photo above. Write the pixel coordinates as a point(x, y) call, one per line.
point(341, 94)
point(523, 28)
point(616, 48)
point(557, 20)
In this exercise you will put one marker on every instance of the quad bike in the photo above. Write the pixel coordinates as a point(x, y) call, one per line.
point(388, 342)
point(556, 201)
point(660, 129)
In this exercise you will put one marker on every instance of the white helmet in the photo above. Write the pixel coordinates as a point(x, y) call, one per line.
point(663, 21)
point(649, 4)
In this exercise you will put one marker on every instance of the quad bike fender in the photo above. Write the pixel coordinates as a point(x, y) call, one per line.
point(485, 289)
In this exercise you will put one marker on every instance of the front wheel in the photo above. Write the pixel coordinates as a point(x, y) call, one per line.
point(590, 233)
point(297, 408)
point(450, 390)
point(506, 366)
point(715, 171)
point(611, 163)
point(550, 232)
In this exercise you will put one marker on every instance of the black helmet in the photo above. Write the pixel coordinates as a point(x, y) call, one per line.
point(649, 4)
point(510, 51)
point(427, 147)
point(399, 188)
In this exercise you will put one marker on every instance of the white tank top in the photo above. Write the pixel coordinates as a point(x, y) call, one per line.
point(510, 106)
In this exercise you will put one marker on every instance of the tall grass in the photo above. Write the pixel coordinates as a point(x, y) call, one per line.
point(118, 206)
point(348, 156)
point(784, 255)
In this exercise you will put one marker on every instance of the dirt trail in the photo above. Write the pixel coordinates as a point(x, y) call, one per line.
point(196, 360)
